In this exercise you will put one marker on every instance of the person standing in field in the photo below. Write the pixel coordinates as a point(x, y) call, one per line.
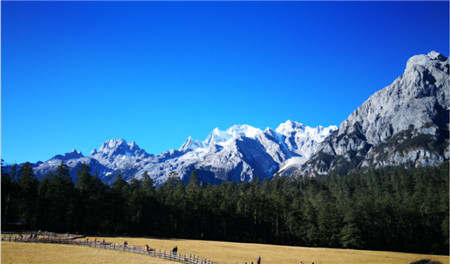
point(258, 261)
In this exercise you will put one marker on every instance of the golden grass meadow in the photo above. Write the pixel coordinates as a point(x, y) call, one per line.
point(218, 252)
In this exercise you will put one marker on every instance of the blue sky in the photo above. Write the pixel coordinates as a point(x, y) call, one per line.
point(75, 74)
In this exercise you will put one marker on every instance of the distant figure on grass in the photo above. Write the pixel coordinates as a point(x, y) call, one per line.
point(147, 248)
point(125, 243)
point(258, 260)
point(175, 250)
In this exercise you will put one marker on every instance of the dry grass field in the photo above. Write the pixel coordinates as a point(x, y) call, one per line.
point(219, 252)
point(35, 253)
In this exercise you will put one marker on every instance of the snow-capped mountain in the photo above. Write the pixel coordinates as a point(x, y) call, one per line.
point(240, 153)
point(406, 123)
point(301, 140)
point(114, 148)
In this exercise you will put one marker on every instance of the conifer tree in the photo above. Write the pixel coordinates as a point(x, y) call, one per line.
point(8, 194)
point(27, 198)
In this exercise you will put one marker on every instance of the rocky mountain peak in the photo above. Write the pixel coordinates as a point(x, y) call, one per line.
point(410, 100)
point(114, 147)
point(436, 55)
point(187, 144)
point(190, 144)
point(395, 124)
point(426, 61)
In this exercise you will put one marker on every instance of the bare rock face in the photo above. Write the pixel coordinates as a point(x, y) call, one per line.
point(405, 123)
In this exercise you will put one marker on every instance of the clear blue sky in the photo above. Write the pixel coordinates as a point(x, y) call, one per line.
point(75, 74)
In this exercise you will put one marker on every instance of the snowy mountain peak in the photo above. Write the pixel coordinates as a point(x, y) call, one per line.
point(243, 131)
point(114, 147)
point(219, 136)
point(74, 154)
point(190, 144)
point(112, 144)
point(289, 127)
point(187, 144)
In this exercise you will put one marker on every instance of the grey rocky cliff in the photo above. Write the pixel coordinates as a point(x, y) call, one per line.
point(406, 123)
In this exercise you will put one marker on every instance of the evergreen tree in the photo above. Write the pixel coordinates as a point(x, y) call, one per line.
point(119, 212)
point(150, 209)
point(63, 194)
point(94, 204)
point(45, 203)
point(27, 198)
point(9, 194)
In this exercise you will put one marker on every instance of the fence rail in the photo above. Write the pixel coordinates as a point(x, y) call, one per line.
point(169, 255)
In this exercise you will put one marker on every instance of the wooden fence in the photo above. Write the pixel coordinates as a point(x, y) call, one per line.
point(68, 240)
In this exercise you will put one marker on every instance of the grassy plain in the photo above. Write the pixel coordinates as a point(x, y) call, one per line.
point(218, 252)
point(35, 253)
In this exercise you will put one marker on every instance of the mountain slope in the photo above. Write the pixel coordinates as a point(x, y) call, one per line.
point(405, 123)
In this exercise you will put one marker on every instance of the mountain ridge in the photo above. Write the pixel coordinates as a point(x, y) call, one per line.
point(240, 153)
point(404, 124)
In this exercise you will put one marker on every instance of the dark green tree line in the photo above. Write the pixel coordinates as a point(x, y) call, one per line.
point(386, 209)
